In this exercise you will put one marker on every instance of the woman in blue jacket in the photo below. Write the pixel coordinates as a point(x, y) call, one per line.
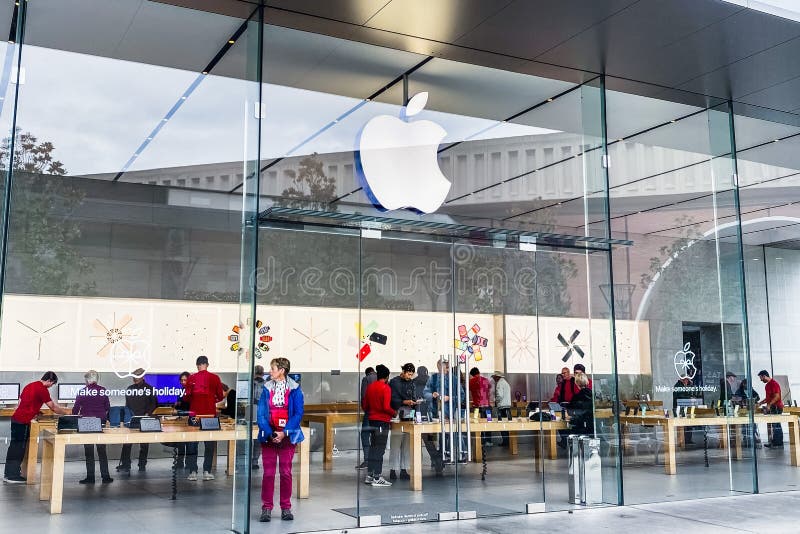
point(280, 412)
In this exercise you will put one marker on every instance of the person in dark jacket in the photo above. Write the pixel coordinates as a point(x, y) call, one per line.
point(366, 432)
point(403, 395)
point(140, 399)
point(430, 440)
point(182, 405)
point(582, 407)
point(377, 403)
point(227, 406)
point(93, 401)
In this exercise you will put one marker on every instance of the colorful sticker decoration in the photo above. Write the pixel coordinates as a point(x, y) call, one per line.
point(470, 343)
point(367, 335)
point(237, 336)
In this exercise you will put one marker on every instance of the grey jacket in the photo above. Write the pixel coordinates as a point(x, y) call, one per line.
point(502, 393)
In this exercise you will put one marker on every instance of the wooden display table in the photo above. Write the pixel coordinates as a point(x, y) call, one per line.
point(671, 424)
point(416, 430)
point(328, 422)
point(351, 406)
point(53, 454)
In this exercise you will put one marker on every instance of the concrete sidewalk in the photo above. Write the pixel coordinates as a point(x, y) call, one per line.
point(766, 513)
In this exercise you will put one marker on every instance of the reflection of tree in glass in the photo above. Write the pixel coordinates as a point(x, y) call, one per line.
point(312, 189)
point(42, 230)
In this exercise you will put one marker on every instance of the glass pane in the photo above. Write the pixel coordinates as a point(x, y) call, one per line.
point(130, 275)
point(680, 289)
point(767, 165)
point(307, 287)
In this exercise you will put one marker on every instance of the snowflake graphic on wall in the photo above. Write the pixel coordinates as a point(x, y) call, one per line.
point(117, 333)
point(522, 344)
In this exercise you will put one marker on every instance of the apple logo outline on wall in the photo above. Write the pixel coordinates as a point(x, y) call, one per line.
point(684, 363)
point(397, 160)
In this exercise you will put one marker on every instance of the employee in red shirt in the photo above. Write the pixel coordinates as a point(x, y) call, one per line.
point(772, 400)
point(377, 403)
point(203, 392)
point(33, 396)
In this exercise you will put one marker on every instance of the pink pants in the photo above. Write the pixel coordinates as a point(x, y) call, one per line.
point(280, 456)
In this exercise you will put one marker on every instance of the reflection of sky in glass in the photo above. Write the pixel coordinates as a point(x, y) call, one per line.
point(103, 109)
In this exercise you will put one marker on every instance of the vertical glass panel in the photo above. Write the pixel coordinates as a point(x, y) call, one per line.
point(496, 289)
point(679, 289)
point(307, 289)
point(131, 275)
point(253, 333)
point(768, 165)
point(407, 295)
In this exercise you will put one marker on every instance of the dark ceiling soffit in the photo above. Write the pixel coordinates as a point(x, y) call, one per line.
point(232, 8)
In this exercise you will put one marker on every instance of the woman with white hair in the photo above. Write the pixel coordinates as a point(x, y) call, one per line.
point(93, 401)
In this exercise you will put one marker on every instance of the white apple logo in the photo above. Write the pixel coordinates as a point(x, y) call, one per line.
point(398, 163)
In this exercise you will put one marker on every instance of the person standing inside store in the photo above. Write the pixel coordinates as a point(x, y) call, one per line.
point(774, 405)
point(481, 397)
point(502, 400)
point(258, 387)
point(182, 406)
point(582, 407)
point(368, 378)
point(33, 396)
point(403, 395)
point(227, 406)
point(280, 412)
point(203, 392)
point(93, 401)
point(141, 400)
point(377, 403)
point(452, 392)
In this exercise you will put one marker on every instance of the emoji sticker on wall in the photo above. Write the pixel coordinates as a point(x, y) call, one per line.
point(238, 337)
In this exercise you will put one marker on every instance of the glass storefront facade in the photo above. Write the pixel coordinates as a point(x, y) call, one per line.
point(190, 183)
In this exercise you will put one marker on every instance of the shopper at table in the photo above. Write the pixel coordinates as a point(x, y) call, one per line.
point(203, 392)
point(141, 400)
point(772, 404)
point(452, 395)
point(684, 389)
point(33, 396)
point(280, 412)
point(502, 401)
point(403, 396)
point(429, 440)
point(481, 392)
point(368, 378)
point(182, 405)
point(227, 406)
point(93, 401)
point(377, 403)
point(559, 382)
point(582, 407)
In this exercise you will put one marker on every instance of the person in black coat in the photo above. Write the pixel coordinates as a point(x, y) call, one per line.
point(582, 407)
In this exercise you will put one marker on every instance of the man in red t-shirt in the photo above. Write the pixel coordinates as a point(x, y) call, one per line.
point(774, 404)
point(33, 396)
point(203, 392)
point(377, 403)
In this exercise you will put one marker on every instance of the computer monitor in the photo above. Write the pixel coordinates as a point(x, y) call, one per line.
point(9, 393)
point(68, 392)
point(242, 389)
point(161, 381)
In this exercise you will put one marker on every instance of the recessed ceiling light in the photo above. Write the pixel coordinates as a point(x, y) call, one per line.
point(549, 99)
point(776, 140)
point(231, 41)
point(673, 120)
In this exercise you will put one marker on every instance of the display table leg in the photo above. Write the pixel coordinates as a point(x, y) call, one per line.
point(303, 484)
point(670, 464)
